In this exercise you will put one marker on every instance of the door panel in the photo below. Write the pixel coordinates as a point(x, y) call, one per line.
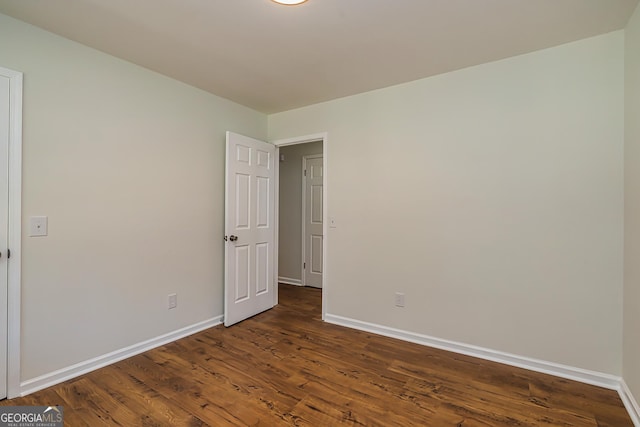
point(262, 270)
point(313, 237)
point(263, 206)
point(242, 273)
point(249, 228)
point(316, 254)
point(242, 205)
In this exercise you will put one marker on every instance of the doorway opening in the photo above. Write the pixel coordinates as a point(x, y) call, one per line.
point(302, 212)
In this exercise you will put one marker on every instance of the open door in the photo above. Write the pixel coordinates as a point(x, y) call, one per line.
point(249, 228)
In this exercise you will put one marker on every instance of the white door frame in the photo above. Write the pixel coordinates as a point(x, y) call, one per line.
point(324, 137)
point(14, 235)
point(305, 158)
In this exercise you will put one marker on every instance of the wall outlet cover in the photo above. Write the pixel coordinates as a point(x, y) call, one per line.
point(172, 301)
point(38, 226)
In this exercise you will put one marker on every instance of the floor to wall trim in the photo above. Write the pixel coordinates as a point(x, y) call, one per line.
point(577, 374)
point(563, 371)
point(630, 403)
point(64, 374)
point(289, 281)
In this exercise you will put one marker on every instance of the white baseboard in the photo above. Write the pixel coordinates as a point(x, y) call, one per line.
point(64, 374)
point(630, 403)
point(599, 379)
point(289, 281)
point(577, 374)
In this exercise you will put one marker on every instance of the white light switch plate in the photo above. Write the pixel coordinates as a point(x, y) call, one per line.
point(38, 226)
point(173, 301)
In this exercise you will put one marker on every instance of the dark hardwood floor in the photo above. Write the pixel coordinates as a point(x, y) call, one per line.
point(287, 367)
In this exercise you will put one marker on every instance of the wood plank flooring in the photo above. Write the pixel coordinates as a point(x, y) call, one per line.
point(287, 367)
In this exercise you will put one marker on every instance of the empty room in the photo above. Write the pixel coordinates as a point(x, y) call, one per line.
point(336, 212)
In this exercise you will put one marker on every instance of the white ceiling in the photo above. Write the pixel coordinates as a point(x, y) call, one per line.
point(273, 58)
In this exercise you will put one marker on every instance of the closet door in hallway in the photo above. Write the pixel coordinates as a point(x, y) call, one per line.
point(312, 220)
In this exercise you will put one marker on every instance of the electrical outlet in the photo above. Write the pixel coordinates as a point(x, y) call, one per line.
point(173, 301)
point(399, 299)
point(38, 226)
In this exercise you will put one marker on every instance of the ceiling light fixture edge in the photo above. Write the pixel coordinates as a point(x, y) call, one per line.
point(289, 2)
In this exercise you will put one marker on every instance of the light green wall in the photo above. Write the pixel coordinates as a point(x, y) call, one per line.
point(491, 196)
point(129, 167)
point(631, 355)
point(290, 209)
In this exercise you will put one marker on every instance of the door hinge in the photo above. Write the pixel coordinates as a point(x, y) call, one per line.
point(305, 172)
point(304, 265)
point(8, 253)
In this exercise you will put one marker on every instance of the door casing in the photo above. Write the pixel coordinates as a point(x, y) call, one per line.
point(14, 235)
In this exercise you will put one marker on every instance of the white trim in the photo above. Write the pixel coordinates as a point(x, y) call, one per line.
point(276, 225)
point(303, 220)
point(630, 403)
point(599, 379)
point(324, 137)
point(14, 233)
point(576, 374)
point(301, 139)
point(290, 281)
point(325, 223)
point(64, 374)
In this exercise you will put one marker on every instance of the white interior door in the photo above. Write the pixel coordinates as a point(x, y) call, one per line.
point(4, 223)
point(312, 220)
point(249, 228)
